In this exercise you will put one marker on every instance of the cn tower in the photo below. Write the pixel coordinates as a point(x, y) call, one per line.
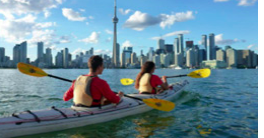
point(115, 57)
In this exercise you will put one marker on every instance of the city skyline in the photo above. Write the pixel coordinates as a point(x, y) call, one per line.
point(70, 19)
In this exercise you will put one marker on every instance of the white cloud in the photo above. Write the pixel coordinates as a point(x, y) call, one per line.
point(219, 40)
point(139, 21)
point(246, 2)
point(221, 0)
point(127, 44)
point(91, 17)
point(93, 38)
point(47, 14)
point(72, 15)
point(124, 12)
point(168, 20)
point(171, 34)
point(19, 7)
point(103, 51)
point(108, 31)
point(82, 10)
point(108, 39)
point(250, 46)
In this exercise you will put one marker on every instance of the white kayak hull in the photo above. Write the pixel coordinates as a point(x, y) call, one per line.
point(53, 120)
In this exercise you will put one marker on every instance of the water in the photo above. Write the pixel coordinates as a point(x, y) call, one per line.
point(223, 105)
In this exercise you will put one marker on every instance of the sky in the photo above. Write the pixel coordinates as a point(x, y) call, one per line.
point(82, 24)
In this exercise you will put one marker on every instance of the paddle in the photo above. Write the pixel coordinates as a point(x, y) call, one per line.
point(31, 70)
point(201, 73)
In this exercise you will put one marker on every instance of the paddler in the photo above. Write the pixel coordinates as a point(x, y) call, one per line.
point(91, 91)
point(147, 82)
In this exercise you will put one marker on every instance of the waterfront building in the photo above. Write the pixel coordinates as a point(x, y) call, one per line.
point(20, 53)
point(23, 52)
point(143, 59)
point(156, 60)
point(2, 54)
point(48, 58)
point(161, 44)
point(168, 48)
point(160, 51)
point(254, 60)
point(123, 59)
point(151, 54)
point(181, 43)
point(59, 60)
point(66, 58)
point(220, 55)
point(202, 55)
point(40, 51)
point(116, 47)
point(244, 58)
point(204, 41)
point(189, 44)
point(211, 53)
point(164, 60)
point(231, 58)
point(190, 61)
point(133, 58)
point(214, 64)
point(178, 59)
point(196, 57)
point(176, 45)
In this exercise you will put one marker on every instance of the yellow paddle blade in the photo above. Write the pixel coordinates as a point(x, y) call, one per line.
point(201, 73)
point(31, 70)
point(127, 81)
point(160, 104)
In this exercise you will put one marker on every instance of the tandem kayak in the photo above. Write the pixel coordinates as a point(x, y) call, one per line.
point(55, 119)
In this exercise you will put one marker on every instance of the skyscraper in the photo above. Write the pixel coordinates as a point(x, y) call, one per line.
point(48, 57)
point(123, 59)
point(189, 44)
point(40, 50)
point(23, 55)
point(211, 53)
point(204, 41)
point(2, 54)
point(115, 57)
point(156, 60)
point(220, 55)
point(59, 60)
point(151, 54)
point(231, 58)
point(168, 48)
point(176, 45)
point(161, 44)
point(133, 58)
point(190, 61)
point(65, 58)
point(181, 43)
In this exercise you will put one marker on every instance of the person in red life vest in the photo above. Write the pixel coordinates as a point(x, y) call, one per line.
point(147, 83)
point(91, 91)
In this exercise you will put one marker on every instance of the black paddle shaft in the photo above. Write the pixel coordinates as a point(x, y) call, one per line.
point(59, 78)
point(176, 76)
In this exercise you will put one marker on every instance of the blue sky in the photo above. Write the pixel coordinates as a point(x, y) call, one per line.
point(82, 24)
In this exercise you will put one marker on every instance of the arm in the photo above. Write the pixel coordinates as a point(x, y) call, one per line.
point(69, 93)
point(164, 85)
point(109, 94)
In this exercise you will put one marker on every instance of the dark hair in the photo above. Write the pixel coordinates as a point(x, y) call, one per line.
point(146, 68)
point(94, 62)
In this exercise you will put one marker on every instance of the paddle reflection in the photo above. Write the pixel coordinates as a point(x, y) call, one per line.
point(147, 126)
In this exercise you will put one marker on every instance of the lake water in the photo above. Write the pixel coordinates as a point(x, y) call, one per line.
point(223, 105)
